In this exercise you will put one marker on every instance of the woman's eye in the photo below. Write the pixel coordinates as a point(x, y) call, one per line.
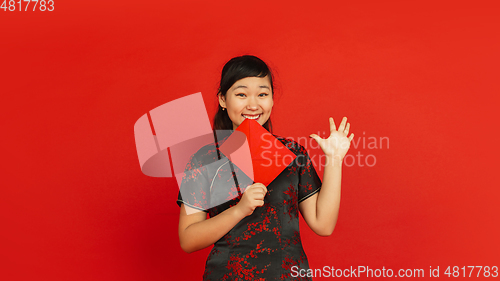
point(240, 95)
point(264, 95)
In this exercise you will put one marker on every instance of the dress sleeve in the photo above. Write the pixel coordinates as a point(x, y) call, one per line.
point(194, 190)
point(309, 181)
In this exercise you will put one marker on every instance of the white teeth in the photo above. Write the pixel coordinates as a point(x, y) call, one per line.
point(255, 117)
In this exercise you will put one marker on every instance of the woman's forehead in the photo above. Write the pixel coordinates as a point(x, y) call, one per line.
point(252, 82)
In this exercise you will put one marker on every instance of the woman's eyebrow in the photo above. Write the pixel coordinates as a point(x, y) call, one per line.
point(240, 86)
point(245, 87)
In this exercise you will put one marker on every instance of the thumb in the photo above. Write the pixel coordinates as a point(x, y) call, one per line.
point(315, 137)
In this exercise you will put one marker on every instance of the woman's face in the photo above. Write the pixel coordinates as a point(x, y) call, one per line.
point(250, 97)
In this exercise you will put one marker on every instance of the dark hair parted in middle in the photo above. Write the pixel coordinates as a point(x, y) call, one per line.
point(235, 69)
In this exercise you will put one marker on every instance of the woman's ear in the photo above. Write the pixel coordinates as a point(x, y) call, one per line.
point(222, 100)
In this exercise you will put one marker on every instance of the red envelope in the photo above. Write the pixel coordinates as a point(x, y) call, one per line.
point(267, 158)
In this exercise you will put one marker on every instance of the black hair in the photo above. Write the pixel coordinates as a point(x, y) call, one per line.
point(235, 69)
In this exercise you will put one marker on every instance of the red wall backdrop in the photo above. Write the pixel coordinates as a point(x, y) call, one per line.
point(74, 204)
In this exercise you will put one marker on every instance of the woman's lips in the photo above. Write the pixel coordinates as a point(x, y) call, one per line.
point(253, 116)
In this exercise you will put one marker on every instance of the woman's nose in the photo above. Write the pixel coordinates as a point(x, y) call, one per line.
point(252, 105)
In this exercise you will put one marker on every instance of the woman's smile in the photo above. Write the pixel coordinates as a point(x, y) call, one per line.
point(253, 117)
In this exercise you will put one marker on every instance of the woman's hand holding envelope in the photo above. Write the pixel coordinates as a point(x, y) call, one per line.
point(252, 198)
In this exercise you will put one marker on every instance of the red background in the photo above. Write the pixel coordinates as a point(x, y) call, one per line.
point(74, 204)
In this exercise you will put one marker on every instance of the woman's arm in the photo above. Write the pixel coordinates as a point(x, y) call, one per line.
point(196, 232)
point(321, 210)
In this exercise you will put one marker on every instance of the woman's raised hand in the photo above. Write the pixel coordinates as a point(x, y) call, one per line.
point(252, 198)
point(337, 144)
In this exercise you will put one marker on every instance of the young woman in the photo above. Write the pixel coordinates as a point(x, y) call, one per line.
point(256, 234)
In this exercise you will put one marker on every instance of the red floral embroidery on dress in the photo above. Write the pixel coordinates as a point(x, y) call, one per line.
point(258, 226)
point(199, 202)
point(272, 213)
point(294, 240)
point(288, 263)
point(292, 171)
point(306, 187)
point(235, 266)
point(291, 205)
point(239, 266)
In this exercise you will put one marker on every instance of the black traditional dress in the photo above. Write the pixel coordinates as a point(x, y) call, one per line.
point(262, 246)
